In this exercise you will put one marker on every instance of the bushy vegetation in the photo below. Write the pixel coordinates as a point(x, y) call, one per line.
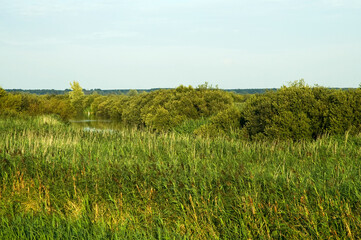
point(295, 112)
point(60, 182)
point(160, 110)
point(301, 112)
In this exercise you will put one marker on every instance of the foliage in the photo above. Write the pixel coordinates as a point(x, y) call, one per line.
point(3, 93)
point(294, 112)
point(132, 92)
point(226, 123)
point(300, 112)
point(76, 97)
point(10, 105)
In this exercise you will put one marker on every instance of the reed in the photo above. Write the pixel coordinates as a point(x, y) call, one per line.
point(60, 182)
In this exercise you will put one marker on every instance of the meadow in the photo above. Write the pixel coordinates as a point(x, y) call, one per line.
point(61, 182)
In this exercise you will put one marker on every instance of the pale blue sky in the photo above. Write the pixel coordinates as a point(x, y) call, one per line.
point(121, 44)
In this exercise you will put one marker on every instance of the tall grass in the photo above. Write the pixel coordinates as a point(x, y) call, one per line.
point(60, 182)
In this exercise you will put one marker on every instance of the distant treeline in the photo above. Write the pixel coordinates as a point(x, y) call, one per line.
point(293, 112)
point(86, 91)
point(124, 91)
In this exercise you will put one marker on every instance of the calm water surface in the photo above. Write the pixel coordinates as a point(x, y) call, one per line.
point(97, 124)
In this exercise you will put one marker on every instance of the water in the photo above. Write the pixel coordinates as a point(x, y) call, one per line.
point(96, 125)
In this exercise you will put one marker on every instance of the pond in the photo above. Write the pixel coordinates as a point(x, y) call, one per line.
point(97, 124)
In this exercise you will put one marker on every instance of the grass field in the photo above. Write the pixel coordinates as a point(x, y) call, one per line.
point(60, 182)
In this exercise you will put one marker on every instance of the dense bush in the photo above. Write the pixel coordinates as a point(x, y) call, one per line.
point(296, 112)
point(163, 110)
point(301, 112)
point(225, 123)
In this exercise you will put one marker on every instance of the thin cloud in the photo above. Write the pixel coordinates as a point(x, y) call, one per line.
point(107, 35)
point(46, 41)
point(50, 7)
point(33, 42)
point(342, 3)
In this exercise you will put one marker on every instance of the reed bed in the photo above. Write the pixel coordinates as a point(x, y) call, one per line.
point(60, 182)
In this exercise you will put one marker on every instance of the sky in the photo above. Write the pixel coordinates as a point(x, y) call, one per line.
point(142, 44)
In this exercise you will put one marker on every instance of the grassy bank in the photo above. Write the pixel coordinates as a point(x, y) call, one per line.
point(57, 181)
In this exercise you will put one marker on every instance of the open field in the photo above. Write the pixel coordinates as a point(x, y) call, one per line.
point(57, 181)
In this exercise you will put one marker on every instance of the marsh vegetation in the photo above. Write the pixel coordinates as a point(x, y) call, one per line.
point(225, 172)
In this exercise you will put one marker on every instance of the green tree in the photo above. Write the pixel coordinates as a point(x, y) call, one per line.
point(10, 105)
point(132, 92)
point(76, 97)
point(341, 113)
point(161, 120)
point(295, 112)
point(3, 93)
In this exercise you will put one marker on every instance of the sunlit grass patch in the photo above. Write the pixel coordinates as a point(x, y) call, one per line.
point(50, 120)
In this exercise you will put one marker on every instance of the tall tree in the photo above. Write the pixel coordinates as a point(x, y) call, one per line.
point(76, 97)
